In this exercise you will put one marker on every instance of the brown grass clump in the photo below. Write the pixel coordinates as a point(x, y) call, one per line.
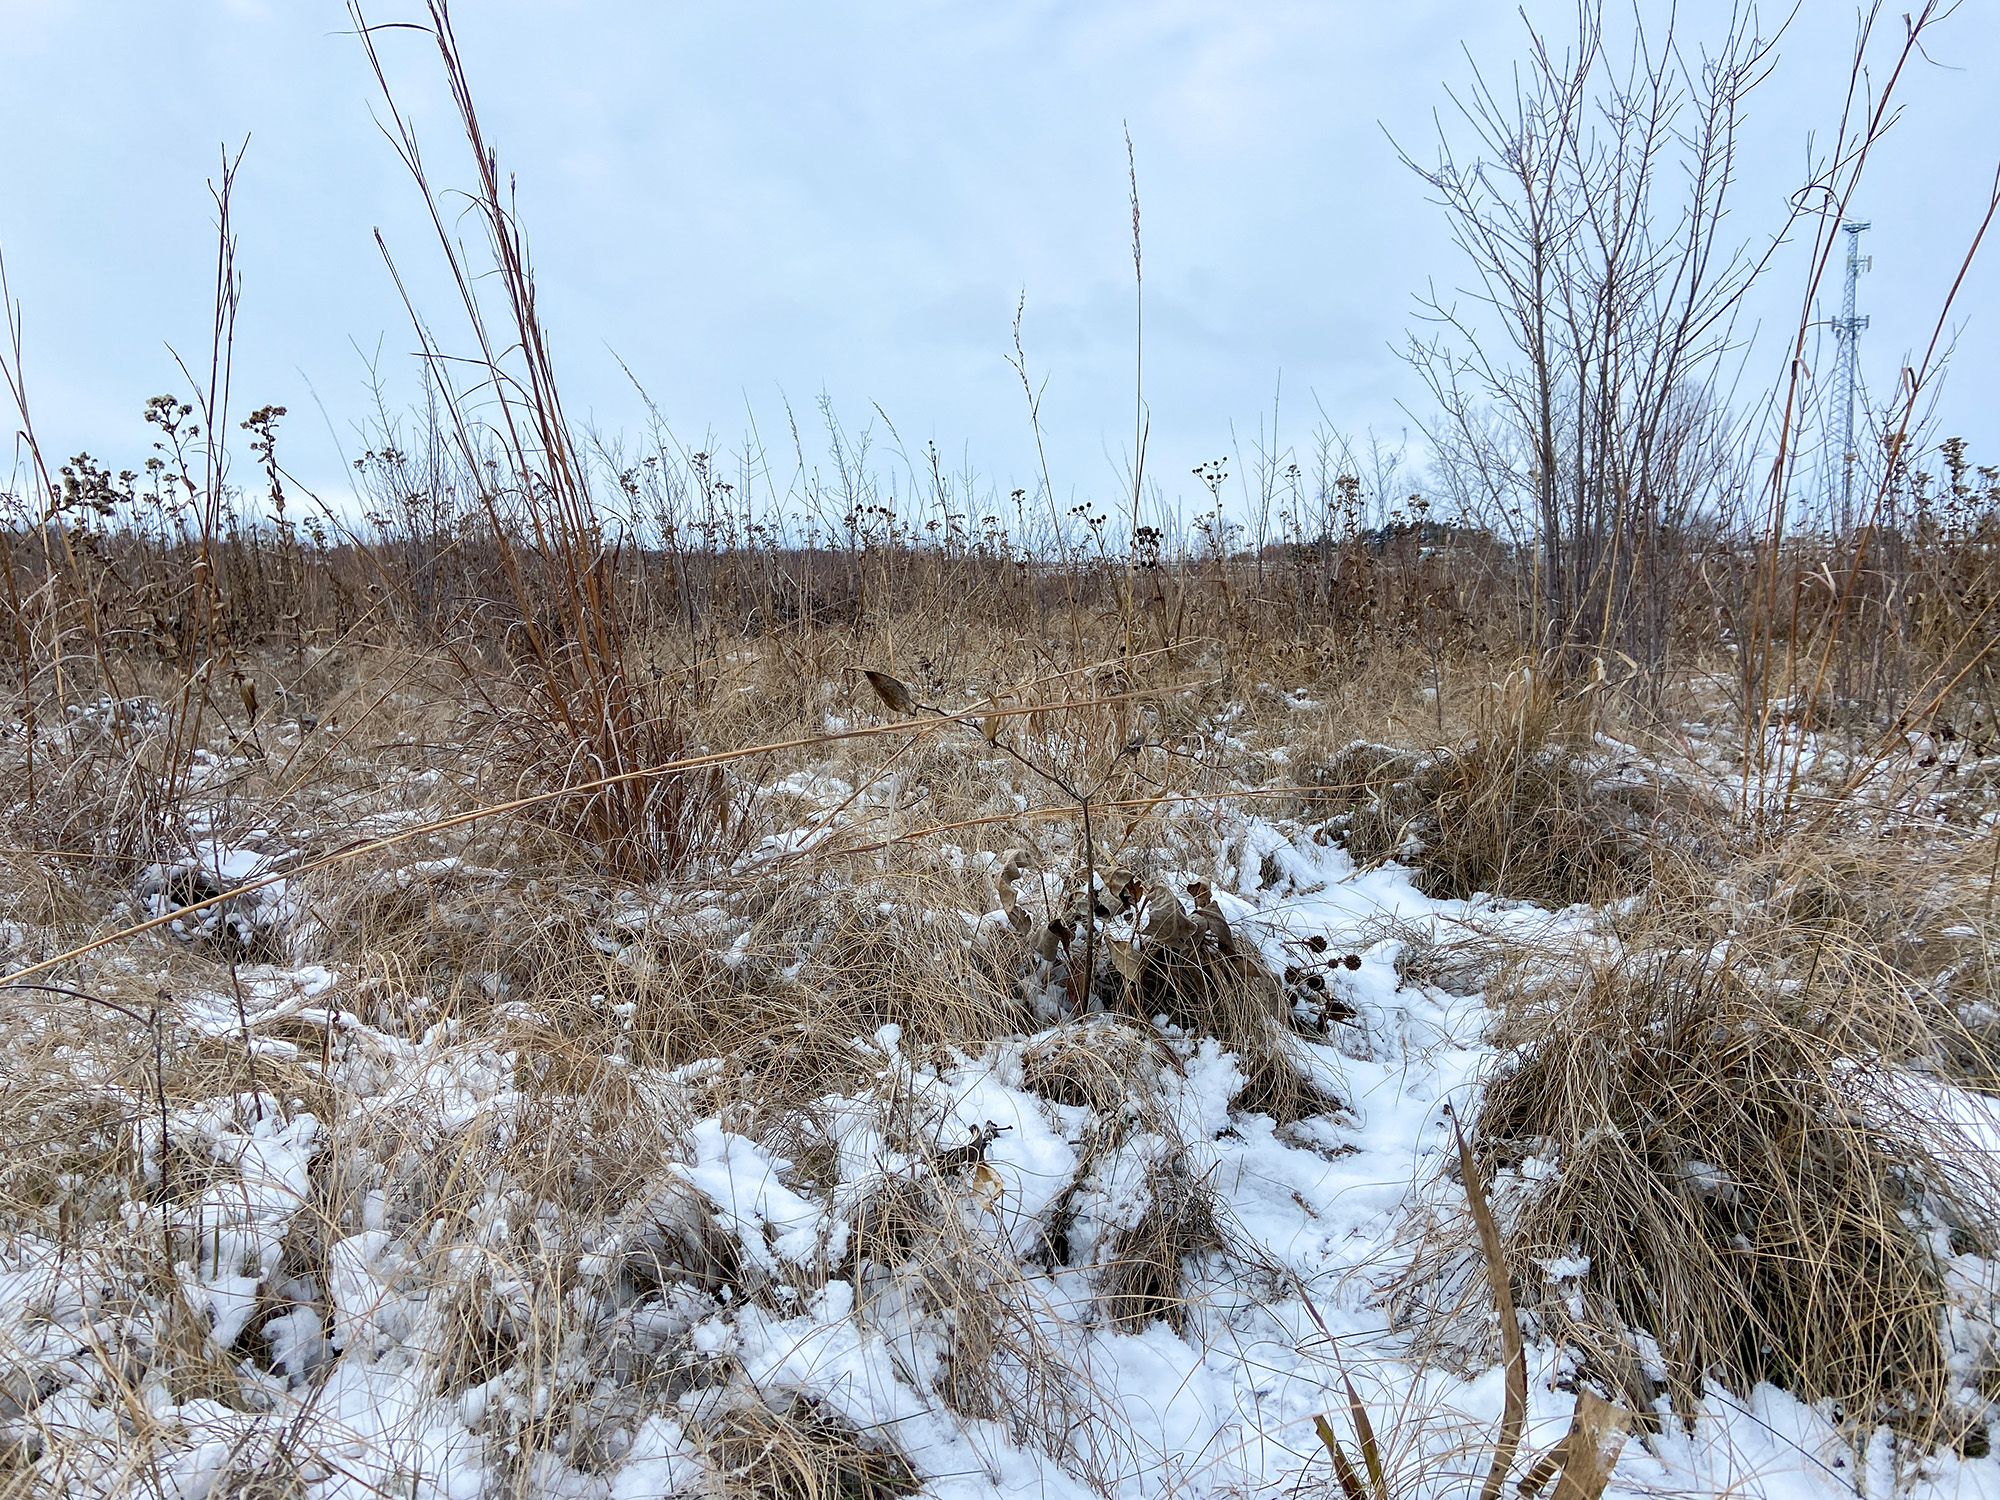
point(912, 1244)
point(1714, 1122)
point(1143, 1278)
point(780, 991)
point(1103, 1063)
point(905, 1213)
point(804, 1452)
point(1193, 971)
point(1728, 1199)
point(1523, 807)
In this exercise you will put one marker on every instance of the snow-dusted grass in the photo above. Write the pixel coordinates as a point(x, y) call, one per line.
point(461, 1170)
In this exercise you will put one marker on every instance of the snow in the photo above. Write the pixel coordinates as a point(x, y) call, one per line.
point(1034, 1164)
point(775, 1226)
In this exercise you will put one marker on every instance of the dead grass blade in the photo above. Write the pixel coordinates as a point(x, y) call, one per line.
point(1343, 1468)
point(1371, 1451)
point(1351, 1486)
point(1581, 1463)
point(1513, 1353)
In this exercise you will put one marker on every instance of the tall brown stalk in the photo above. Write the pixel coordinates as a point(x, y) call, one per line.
point(587, 717)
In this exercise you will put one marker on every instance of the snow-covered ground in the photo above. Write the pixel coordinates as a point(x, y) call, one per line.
point(361, 1396)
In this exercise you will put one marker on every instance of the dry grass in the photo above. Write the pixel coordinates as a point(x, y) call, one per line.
point(1704, 1129)
point(1526, 805)
point(1191, 970)
point(529, 1012)
point(1143, 1279)
point(613, 1015)
point(555, 955)
point(803, 1452)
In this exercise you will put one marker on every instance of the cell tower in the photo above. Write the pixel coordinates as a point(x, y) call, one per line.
point(1847, 335)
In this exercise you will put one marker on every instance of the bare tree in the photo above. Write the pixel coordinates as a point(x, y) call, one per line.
point(1577, 376)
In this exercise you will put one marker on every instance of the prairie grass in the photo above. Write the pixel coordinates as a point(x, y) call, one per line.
point(405, 912)
point(1702, 1073)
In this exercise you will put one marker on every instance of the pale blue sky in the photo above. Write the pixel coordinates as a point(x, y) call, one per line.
point(766, 198)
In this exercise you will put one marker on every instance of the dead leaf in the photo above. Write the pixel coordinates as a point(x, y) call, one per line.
point(1125, 959)
point(1119, 891)
point(1210, 920)
point(985, 1186)
point(895, 694)
point(1166, 919)
point(1010, 905)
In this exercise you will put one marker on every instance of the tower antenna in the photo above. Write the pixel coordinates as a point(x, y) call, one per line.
point(1847, 334)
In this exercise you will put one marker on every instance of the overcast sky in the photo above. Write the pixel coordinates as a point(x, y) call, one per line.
point(757, 202)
